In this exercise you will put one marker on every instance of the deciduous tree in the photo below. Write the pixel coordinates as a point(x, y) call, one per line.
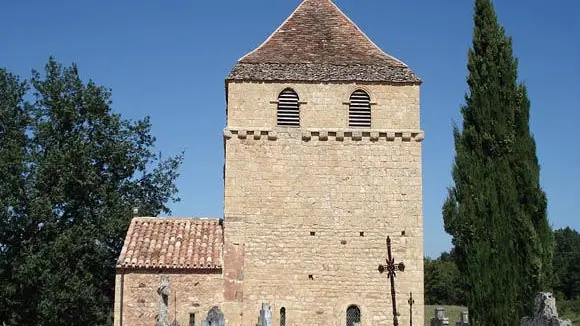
point(567, 263)
point(443, 283)
point(85, 169)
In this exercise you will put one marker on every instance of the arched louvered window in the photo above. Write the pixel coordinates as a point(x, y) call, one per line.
point(359, 110)
point(288, 109)
point(282, 316)
point(353, 316)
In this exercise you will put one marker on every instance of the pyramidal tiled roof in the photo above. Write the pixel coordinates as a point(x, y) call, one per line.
point(172, 243)
point(318, 42)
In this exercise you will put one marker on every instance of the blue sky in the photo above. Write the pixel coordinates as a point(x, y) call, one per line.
point(168, 60)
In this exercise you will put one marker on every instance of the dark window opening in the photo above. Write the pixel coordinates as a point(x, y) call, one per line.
point(353, 316)
point(288, 109)
point(282, 316)
point(359, 110)
point(192, 319)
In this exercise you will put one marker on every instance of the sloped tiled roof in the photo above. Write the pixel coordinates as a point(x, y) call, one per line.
point(172, 243)
point(319, 43)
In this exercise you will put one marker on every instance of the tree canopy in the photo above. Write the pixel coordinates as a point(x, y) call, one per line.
point(567, 263)
point(73, 170)
point(443, 283)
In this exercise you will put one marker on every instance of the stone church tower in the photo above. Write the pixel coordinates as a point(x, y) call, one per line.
point(322, 163)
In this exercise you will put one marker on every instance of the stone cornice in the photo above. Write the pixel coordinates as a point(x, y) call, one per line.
point(326, 134)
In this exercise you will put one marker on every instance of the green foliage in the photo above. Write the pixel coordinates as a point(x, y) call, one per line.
point(443, 283)
point(567, 273)
point(13, 123)
point(567, 264)
point(74, 172)
point(569, 309)
point(496, 211)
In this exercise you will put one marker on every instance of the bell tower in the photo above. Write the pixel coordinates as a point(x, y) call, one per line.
point(322, 164)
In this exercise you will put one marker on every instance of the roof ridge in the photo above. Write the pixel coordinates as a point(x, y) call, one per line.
point(363, 33)
point(276, 30)
point(319, 42)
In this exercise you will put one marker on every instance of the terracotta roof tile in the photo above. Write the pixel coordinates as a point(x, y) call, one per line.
point(172, 243)
point(319, 43)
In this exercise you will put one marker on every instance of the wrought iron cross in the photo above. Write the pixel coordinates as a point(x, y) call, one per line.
point(392, 269)
point(411, 301)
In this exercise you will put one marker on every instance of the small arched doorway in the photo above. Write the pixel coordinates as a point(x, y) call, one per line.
point(353, 316)
point(283, 316)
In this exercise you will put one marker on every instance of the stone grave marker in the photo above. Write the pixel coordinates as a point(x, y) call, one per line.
point(545, 312)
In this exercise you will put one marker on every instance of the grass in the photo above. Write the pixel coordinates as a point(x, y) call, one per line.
point(574, 318)
point(569, 313)
point(451, 312)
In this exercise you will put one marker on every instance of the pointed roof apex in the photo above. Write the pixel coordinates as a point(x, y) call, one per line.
point(318, 42)
point(319, 32)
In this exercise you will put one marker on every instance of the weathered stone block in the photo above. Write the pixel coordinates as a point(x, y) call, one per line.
point(545, 312)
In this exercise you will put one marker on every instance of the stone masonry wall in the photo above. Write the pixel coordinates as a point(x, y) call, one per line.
point(307, 210)
point(190, 293)
point(323, 105)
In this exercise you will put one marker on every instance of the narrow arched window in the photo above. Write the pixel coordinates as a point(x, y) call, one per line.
point(288, 109)
point(353, 316)
point(282, 316)
point(359, 110)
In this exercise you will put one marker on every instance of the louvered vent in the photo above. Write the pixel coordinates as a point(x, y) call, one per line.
point(359, 111)
point(288, 109)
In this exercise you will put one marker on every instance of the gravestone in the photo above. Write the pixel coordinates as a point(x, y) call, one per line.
point(265, 318)
point(214, 318)
point(439, 319)
point(463, 319)
point(545, 312)
point(164, 292)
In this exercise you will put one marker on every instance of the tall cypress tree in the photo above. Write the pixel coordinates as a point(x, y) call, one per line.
point(496, 211)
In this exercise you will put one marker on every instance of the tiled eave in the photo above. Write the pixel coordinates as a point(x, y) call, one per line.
point(172, 244)
point(315, 72)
